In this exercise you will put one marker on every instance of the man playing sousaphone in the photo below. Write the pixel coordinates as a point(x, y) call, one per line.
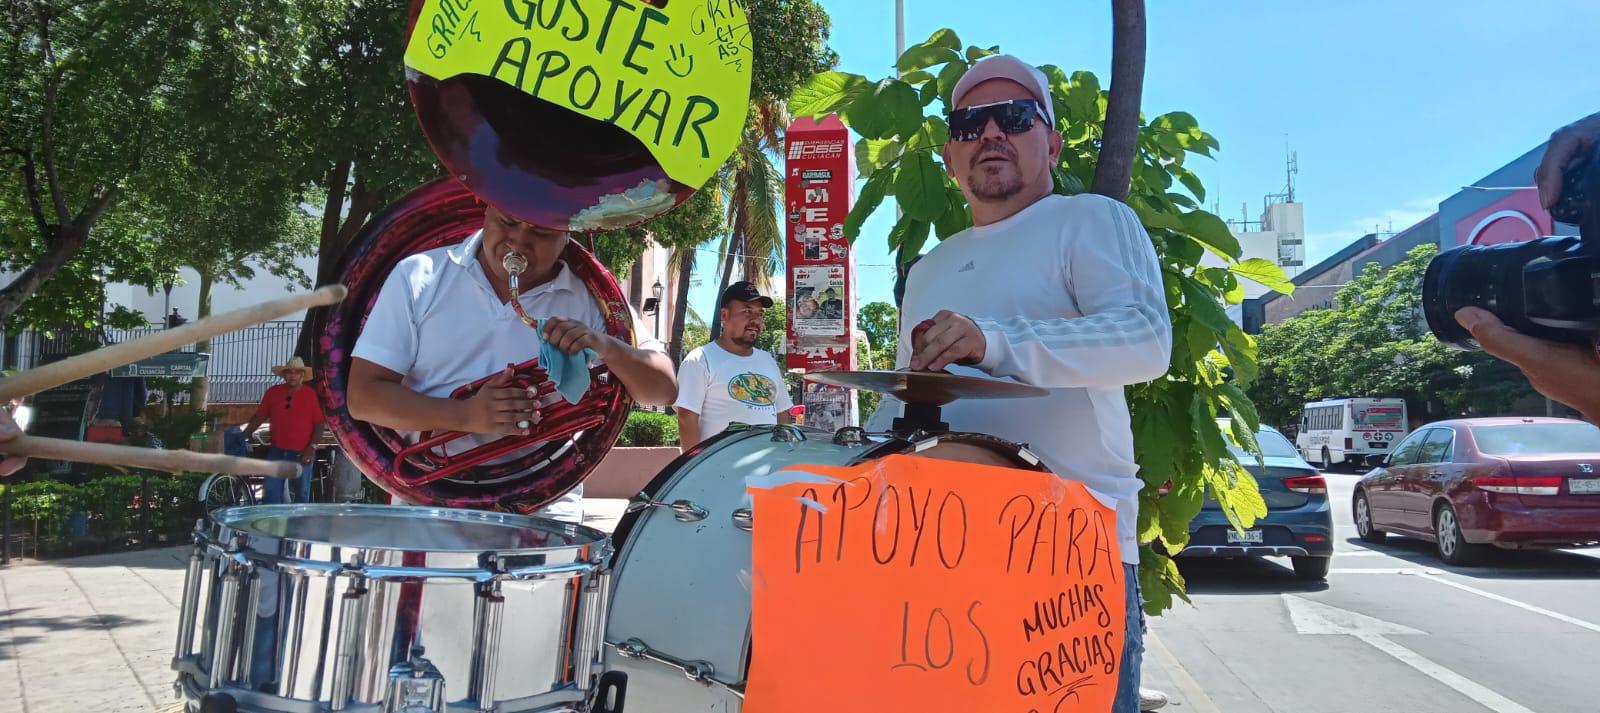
point(446, 317)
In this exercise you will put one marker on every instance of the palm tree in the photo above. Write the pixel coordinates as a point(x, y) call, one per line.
point(755, 189)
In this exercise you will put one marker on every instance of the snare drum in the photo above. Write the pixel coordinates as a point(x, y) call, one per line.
point(679, 621)
point(306, 608)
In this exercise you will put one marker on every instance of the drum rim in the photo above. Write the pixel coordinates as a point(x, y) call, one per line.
point(229, 519)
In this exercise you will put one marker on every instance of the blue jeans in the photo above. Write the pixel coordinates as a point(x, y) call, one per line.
point(1127, 700)
point(275, 487)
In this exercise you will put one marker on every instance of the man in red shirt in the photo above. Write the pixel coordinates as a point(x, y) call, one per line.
point(297, 423)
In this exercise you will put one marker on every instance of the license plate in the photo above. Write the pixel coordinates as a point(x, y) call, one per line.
point(1249, 537)
point(1584, 486)
point(1377, 444)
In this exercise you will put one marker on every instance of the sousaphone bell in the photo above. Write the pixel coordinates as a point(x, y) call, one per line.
point(545, 161)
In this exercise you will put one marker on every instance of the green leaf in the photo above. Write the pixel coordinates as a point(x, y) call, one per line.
point(827, 92)
point(871, 196)
point(956, 216)
point(917, 77)
point(1185, 250)
point(1240, 349)
point(910, 233)
point(1176, 121)
point(873, 154)
point(1192, 182)
point(928, 92)
point(1159, 581)
point(1264, 272)
point(1203, 306)
point(948, 77)
point(934, 134)
point(919, 187)
point(1152, 218)
point(1240, 406)
point(1212, 232)
point(920, 56)
point(885, 110)
point(1202, 339)
point(976, 53)
point(944, 37)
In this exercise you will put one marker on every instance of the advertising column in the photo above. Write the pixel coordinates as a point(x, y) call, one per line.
point(821, 288)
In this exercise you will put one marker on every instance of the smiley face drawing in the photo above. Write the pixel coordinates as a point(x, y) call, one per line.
point(752, 389)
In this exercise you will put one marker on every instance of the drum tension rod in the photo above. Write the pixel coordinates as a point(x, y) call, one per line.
point(683, 510)
point(696, 670)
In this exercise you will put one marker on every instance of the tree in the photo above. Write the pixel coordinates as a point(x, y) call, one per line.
point(92, 89)
point(1374, 342)
point(881, 324)
point(792, 35)
point(357, 139)
point(1176, 435)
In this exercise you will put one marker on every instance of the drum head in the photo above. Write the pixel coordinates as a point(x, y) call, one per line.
point(384, 527)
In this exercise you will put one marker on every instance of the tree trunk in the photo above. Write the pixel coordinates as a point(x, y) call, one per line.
point(339, 230)
point(680, 306)
point(199, 387)
point(735, 248)
point(1114, 169)
point(62, 244)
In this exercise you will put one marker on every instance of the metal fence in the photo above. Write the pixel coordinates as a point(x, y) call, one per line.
point(240, 368)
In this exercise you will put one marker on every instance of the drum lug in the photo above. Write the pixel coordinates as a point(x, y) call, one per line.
point(347, 651)
point(415, 686)
point(489, 607)
point(744, 519)
point(695, 670)
point(787, 433)
point(684, 510)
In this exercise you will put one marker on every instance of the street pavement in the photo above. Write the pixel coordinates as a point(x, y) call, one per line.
point(1393, 630)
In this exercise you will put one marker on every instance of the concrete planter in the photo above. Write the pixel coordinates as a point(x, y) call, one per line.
point(625, 471)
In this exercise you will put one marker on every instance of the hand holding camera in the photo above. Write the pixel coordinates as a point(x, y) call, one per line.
point(1535, 304)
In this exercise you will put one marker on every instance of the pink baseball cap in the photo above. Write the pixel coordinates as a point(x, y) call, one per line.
point(1005, 66)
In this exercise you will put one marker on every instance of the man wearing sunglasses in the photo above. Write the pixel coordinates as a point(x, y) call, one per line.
point(1061, 292)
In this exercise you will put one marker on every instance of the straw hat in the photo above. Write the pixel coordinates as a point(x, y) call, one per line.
point(295, 364)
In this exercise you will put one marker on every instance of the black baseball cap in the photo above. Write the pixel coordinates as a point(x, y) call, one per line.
point(744, 292)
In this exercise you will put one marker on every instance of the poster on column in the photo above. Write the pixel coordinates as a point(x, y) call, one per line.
point(819, 301)
point(817, 195)
point(933, 585)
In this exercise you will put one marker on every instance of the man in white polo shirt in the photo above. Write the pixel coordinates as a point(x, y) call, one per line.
point(1061, 292)
point(730, 380)
point(444, 318)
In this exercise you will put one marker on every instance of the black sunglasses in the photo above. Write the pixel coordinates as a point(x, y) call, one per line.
point(1013, 117)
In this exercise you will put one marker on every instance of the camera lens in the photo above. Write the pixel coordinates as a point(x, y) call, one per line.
point(1493, 277)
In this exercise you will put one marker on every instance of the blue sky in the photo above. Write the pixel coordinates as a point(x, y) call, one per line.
point(1391, 106)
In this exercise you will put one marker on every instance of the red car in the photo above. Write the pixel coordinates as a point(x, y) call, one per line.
point(1468, 484)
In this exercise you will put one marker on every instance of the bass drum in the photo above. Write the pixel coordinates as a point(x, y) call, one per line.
point(679, 620)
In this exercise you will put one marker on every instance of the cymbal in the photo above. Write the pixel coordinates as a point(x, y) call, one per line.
point(928, 388)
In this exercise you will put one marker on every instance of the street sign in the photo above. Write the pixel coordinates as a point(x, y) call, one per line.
point(179, 365)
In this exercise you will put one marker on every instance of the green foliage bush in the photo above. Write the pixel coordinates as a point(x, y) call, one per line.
point(649, 429)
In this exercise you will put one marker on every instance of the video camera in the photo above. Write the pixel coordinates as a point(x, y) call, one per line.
point(1547, 288)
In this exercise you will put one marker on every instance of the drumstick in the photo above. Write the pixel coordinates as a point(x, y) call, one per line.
point(52, 375)
point(153, 458)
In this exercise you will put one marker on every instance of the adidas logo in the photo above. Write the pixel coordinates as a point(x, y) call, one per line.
point(969, 267)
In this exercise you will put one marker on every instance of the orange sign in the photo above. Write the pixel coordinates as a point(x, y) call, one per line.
point(915, 584)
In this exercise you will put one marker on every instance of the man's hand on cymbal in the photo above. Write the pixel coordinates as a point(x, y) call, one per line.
point(499, 407)
point(948, 338)
point(571, 336)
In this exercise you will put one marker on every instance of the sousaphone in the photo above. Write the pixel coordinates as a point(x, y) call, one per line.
point(567, 114)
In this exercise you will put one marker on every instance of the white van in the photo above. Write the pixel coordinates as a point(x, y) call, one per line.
point(1335, 431)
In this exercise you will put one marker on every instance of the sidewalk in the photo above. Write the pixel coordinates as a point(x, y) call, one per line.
point(97, 633)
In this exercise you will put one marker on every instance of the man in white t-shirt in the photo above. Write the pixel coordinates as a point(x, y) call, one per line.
point(444, 318)
point(730, 380)
point(1061, 292)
